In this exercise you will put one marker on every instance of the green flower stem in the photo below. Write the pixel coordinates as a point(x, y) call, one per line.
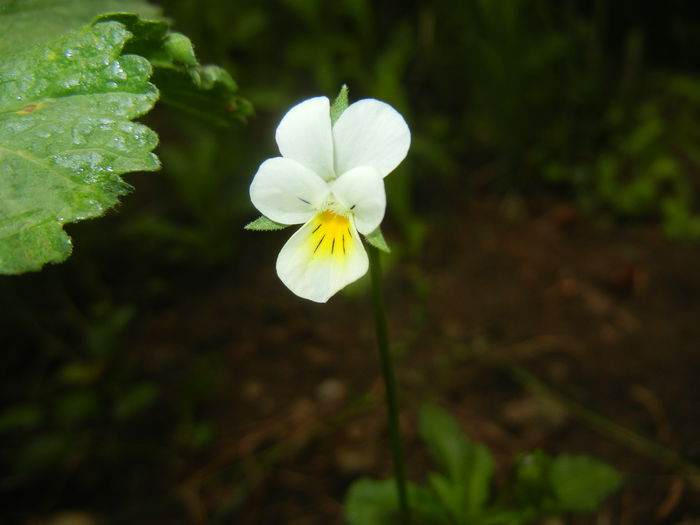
point(389, 383)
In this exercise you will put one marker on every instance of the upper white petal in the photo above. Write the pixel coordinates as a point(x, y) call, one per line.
point(287, 192)
point(319, 278)
point(370, 133)
point(361, 191)
point(305, 135)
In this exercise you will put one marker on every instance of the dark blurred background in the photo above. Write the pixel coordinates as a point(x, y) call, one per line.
point(547, 214)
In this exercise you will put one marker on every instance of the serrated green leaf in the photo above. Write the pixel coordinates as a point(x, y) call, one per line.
point(205, 91)
point(468, 465)
point(376, 239)
point(148, 36)
point(264, 224)
point(372, 502)
point(340, 103)
point(180, 48)
point(24, 23)
point(581, 483)
point(65, 137)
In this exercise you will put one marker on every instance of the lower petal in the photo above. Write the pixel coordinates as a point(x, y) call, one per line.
point(322, 257)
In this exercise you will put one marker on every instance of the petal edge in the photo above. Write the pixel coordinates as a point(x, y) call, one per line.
point(287, 192)
point(304, 135)
point(370, 133)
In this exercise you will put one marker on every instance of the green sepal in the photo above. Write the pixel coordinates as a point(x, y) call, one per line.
point(264, 224)
point(376, 239)
point(340, 103)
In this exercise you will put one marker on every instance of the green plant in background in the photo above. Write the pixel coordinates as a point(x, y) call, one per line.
point(69, 94)
point(94, 410)
point(460, 493)
point(53, 428)
point(645, 169)
point(534, 91)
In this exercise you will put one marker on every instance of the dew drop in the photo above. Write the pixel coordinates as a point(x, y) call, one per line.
point(71, 83)
point(79, 133)
point(117, 71)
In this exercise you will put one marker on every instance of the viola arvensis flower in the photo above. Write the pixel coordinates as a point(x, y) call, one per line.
point(330, 179)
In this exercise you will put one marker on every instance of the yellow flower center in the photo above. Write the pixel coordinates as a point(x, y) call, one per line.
point(330, 235)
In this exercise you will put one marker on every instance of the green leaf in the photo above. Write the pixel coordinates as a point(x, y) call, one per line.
point(135, 400)
point(178, 47)
point(581, 483)
point(371, 502)
point(205, 91)
point(566, 483)
point(21, 417)
point(376, 239)
point(532, 481)
point(340, 103)
point(446, 493)
point(24, 23)
point(65, 137)
point(264, 224)
point(76, 406)
point(44, 451)
point(468, 465)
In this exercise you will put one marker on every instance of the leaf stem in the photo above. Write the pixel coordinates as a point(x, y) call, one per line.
point(387, 367)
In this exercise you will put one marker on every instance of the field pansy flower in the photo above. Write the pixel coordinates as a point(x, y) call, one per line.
point(330, 178)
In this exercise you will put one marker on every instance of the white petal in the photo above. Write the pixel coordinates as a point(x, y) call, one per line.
point(322, 257)
point(370, 133)
point(287, 192)
point(361, 191)
point(304, 134)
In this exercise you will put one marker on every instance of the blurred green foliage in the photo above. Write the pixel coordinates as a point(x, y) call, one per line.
point(83, 411)
point(460, 493)
point(568, 94)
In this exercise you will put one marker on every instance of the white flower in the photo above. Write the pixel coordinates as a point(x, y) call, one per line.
point(330, 179)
